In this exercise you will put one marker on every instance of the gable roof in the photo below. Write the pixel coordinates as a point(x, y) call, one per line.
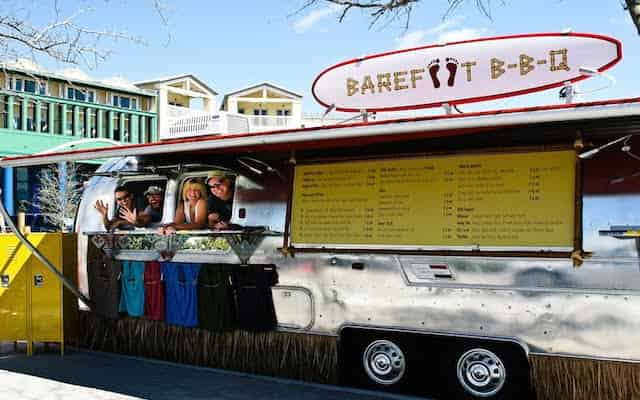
point(259, 86)
point(169, 79)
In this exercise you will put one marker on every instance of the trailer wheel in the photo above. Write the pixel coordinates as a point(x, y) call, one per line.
point(481, 373)
point(384, 362)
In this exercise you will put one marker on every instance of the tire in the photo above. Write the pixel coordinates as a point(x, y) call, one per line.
point(376, 360)
point(427, 365)
point(384, 362)
point(487, 370)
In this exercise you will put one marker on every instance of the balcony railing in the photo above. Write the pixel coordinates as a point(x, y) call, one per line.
point(264, 122)
point(177, 112)
point(206, 124)
point(59, 117)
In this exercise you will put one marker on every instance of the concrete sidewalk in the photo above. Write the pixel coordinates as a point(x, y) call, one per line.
point(93, 375)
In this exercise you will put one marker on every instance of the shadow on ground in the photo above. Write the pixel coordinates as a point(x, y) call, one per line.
point(149, 379)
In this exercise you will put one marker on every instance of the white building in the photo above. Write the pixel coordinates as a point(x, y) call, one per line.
point(268, 106)
point(180, 97)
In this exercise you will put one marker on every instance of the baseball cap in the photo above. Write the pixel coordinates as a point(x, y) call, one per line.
point(153, 190)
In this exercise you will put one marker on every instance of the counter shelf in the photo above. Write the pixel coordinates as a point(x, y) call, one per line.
point(192, 245)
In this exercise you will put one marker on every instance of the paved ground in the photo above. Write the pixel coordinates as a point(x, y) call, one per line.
point(101, 376)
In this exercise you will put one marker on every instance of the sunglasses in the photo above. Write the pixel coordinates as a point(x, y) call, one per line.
point(216, 185)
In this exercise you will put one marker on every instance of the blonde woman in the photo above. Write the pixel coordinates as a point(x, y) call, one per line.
point(192, 211)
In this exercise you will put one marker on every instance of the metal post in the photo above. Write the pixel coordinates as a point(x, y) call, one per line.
point(7, 190)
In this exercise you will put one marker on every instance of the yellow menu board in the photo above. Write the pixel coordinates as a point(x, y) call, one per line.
point(516, 200)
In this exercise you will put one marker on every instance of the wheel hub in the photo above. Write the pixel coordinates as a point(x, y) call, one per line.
point(384, 362)
point(481, 373)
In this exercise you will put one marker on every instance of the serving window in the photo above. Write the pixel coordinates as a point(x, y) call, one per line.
point(488, 202)
point(138, 187)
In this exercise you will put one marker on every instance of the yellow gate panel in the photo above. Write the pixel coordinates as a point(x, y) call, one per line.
point(46, 293)
point(14, 274)
point(34, 307)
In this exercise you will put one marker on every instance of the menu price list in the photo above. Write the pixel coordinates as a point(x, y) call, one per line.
point(524, 199)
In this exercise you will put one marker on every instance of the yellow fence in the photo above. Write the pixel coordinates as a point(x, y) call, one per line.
point(33, 305)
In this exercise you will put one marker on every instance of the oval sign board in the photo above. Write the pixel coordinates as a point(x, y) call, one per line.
point(463, 72)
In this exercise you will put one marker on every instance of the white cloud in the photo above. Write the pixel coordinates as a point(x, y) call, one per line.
point(308, 21)
point(449, 23)
point(411, 39)
point(423, 37)
point(461, 34)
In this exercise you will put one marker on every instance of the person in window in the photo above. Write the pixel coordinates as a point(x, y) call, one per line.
point(192, 211)
point(219, 205)
point(153, 212)
point(125, 214)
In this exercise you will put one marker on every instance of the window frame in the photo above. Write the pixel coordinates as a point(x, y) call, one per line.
point(88, 94)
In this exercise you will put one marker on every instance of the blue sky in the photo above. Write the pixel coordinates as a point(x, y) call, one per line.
point(231, 45)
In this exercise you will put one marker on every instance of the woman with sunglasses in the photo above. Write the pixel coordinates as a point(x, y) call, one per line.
point(219, 205)
point(192, 211)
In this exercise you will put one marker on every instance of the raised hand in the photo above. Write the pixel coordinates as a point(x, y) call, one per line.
point(221, 225)
point(129, 216)
point(102, 208)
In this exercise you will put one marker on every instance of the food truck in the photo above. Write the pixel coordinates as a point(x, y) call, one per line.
point(490, 254)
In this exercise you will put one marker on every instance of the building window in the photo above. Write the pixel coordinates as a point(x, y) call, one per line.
point(259, 111)
point(44, 117)
point(31, 115)
point(82, 120)
point(22, 185)
point(81, 94)
point(4, 112)
point(126, 135)
point(27, 85)
point(69, 128)
point(17, 115)
point(124, 102)
point(116, 127)
point(93, 127)
point(30, 86)
point(57, 118)
point(145, 133)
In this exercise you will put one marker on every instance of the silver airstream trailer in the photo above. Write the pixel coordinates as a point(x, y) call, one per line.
point(451, 257)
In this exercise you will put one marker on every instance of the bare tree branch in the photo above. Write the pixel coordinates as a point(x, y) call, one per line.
point(63, 37)
point(59, 194)
point(391, 10)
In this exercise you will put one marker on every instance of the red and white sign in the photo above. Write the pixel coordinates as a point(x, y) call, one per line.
point(463, 72)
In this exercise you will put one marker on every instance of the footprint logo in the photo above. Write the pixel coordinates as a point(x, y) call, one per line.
point(434, 67)
point(452, 67)
point(451, 64)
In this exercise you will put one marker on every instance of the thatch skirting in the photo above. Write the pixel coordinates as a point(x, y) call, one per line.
point(282, 354)
point(578, 379)
point(314, 358)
